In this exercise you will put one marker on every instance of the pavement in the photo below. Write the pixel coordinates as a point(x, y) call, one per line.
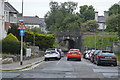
point(26, 64)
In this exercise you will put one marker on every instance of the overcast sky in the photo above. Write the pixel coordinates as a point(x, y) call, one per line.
point(41, 7)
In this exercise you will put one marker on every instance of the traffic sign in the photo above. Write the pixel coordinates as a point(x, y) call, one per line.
point(22, 26)
point(21, 32)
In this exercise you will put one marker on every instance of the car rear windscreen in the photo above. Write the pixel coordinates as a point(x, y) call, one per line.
point(108, 54)
point(74, 51)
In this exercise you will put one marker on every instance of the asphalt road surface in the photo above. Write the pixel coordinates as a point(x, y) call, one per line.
point(66, 69)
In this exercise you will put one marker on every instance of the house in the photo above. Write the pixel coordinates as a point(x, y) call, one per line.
point(1, 19)
point(30, 21)
point(10, 16)
point(33, 21)
point(43, 25)
point(101, 20)
point(119, 2)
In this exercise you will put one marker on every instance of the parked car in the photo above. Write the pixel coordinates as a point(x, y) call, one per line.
point(84, 53)
point(88, 54)
point(52, 54)
point(61, 52)
point(57, 50)
point(94, 55)
point(74, 54)
point(106, 57)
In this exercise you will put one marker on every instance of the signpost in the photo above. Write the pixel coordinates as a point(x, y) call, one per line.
point(21, 28)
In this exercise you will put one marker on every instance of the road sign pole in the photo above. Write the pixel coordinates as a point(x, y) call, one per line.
point(21, 51)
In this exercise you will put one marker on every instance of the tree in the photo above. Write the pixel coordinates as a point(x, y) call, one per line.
point(61, 17)
point(36, 30)
point(87, 12)
point(90, 25)
point(114, 10)
point(14, 31)
point(113, 23)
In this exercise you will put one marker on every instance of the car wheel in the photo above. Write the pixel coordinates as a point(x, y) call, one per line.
point(95, 61)
point(57, 58)
point(98, 63)
point(45, 59)
point(115, 64)
point(68, 59)
point(79, 59)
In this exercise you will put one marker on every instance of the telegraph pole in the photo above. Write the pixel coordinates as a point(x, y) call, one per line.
point(21, 34)
point(22, 8)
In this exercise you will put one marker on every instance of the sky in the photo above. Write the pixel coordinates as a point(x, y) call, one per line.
point(41, 7)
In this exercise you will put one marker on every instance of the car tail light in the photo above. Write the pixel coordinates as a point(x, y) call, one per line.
point(69, 52)
point(100, 56)
point(114, 57)
point(57, 53)
point(78, 53)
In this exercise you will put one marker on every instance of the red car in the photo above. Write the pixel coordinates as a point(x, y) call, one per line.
point(74, 54)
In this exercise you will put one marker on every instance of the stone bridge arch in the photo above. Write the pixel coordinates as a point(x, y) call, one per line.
point(72, 39)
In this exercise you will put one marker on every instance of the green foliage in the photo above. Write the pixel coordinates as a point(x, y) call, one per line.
point(114, 9)
point(87, 12)
point(11, 45)
point(113, 23)
point(61, 17)
point(14, 31)
point(55, 45)
point(11, 37)
point(90, 25)
point(101, 40)
point(118, 56)
point(35, 29)
point(44, 41)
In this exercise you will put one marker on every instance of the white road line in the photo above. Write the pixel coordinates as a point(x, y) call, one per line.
point(32, 67)
point(58, 62)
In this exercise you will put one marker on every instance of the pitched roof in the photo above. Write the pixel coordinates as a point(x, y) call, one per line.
point(10, 8)
point(101, 19)
point(31, 20)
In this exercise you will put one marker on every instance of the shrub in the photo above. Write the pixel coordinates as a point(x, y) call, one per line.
point(14, 31)
point(11, 37)
point(11, 45)
point(44, 41)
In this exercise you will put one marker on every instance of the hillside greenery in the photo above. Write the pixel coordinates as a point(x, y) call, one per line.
point(102, 40)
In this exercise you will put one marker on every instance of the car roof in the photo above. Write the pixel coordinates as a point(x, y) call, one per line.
point(75, 49)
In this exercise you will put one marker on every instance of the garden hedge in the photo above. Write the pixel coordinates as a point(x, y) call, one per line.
point(10, 44)
point(44, 41)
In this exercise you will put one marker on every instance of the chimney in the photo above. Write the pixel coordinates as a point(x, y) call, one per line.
point(106, 14)
point(96, 16)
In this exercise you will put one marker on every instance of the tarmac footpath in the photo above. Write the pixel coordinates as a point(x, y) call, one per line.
point(27, 64)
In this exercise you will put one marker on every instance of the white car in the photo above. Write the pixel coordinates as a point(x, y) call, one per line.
point(52, 54)
point(61, 52)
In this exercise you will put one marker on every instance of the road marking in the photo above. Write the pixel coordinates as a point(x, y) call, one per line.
point(32, 67)
point(105, 70)
point(110, 75)
point(58, 62)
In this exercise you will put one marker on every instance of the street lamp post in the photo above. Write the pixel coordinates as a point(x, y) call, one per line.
point(21, 51)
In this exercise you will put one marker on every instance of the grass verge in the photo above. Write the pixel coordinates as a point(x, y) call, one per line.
point(118, 56)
